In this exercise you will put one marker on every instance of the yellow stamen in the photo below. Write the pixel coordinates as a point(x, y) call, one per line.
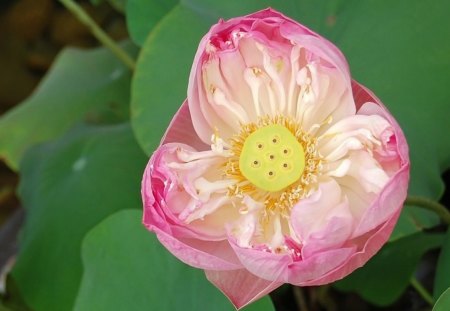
point(275, 200)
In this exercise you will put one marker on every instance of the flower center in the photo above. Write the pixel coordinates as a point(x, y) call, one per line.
point(272, 158)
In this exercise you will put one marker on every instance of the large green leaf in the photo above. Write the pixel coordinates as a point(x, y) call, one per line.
point(67, 187)
point(442, 278)
point(160, 81)
point(309, 12)
point(400, 54)
point(11, 298)
point(443, 303)
point(413, 219)
point(385, 277)
point(143, 15)
point(80, 84)
point(396, 49)
point(126, 268)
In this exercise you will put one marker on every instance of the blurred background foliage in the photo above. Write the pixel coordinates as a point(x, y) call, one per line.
point(78, 125)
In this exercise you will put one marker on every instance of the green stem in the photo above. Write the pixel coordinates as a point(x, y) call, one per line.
point(101, 36)
point(324, 298)
point(431, 205)
point(300, 298)
point(422, 291)
point(6, 193)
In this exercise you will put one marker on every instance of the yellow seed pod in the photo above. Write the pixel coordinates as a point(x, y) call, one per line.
point(272, 158)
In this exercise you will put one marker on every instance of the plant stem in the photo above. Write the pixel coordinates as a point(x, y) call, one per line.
point(300, 298)
point(5, 194)
point(101, 36)
point(431, 205)
point(422, 291)
point(324, 298)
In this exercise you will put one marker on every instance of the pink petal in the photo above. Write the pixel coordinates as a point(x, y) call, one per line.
point(200, 254)
point(175, 191)
point(282, 268)
point(308, 271)
point(159, 216)
point(264, 264)
point(388, 203)
point(359, 258)
point(363, 95)
point(315, 43)
point(182, 131)
point(275, 32)
point(391, 198)
point(240, 286)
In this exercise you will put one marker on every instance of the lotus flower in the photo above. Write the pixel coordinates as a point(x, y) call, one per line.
point(278, 168)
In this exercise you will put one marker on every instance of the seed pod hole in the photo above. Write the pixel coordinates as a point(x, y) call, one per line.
point(286, 151)
point(275, 139)
point(286, 166)
point(255, 164)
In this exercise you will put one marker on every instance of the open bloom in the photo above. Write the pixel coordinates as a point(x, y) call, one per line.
point(278, 168)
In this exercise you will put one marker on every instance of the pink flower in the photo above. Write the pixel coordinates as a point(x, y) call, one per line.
point(278, 168)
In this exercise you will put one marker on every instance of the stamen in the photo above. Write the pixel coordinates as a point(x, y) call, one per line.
point(281, 201)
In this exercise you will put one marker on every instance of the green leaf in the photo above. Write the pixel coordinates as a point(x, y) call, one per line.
point(416, 56)
point(443, 303)
point(118, 5)
point(413, 219)
point(309, 12)
point(67, 187)
point(160, 81)
point(408, 69)
point(91, 85)
point(442, 278)
point(263, 304)
point(120, 252)
point(385, 277)
point(143, 15)
point(12, 297)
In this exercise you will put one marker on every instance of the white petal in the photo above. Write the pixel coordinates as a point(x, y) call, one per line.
point(361, 166)
point(367, 171)
point(244, 229)
point(337, 168)
point(275, 75)
point(359, 200)
point(219, 97)
point(325, 95)
point(352, 133)
point(197, 194)
point(233, 67)
point(323, 220)
point(293, 89)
